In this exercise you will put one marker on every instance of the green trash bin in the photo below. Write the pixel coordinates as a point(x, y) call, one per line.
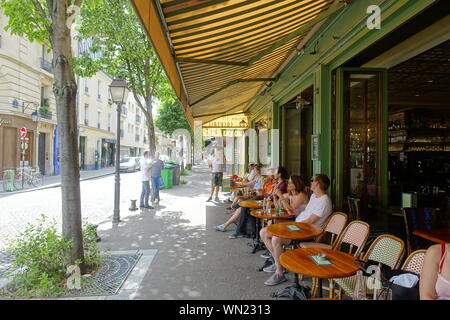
point(166, 174)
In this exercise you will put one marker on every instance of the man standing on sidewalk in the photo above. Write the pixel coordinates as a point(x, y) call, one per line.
point(217, 165)
point(157, 166)
point(145, 178)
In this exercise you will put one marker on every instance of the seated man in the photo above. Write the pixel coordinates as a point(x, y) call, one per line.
point(316, 212)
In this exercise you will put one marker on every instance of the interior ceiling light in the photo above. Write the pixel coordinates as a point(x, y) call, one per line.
point(301, 102)
point(430, 81)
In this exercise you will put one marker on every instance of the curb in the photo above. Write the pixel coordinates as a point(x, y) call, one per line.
point(54, 185)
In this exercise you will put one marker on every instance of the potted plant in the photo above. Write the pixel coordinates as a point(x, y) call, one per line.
point(44, 109)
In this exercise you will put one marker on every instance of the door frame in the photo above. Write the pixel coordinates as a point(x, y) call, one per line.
point(42, 146)
point(382, 146)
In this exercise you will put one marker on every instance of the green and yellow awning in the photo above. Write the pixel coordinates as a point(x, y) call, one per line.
point(220, 54)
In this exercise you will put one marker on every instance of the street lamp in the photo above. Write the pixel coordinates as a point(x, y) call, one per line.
point(119, 93)
point(34, 116)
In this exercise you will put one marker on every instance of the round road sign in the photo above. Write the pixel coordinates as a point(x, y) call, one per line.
point(23, 132)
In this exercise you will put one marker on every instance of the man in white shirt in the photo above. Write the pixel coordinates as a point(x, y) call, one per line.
point(216, 164)
point(145, 178)
point(316, 212)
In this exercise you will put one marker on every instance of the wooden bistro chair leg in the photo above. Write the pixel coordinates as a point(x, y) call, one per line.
point(331, 288)
point(314, 287)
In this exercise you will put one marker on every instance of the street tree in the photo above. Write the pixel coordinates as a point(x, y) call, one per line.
point(171, 117)
point(119, 46)
point(49, 22)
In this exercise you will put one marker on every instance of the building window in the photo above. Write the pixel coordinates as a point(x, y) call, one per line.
point(98, 90)
point(86, 114)
point(109, 122)
point(0, 40)
point(86, 88)
point(98, 119)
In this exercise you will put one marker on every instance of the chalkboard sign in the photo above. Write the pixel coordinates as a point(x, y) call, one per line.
point(315, 146)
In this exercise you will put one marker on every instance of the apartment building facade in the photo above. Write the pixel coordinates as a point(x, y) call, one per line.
point(27, 101)
point(25, 90)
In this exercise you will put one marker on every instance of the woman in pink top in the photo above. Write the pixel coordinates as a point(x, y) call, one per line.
point(435, 275)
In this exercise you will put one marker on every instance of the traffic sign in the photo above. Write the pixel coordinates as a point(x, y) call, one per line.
point(23, 132)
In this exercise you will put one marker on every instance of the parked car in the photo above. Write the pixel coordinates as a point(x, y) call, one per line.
point(131, 164)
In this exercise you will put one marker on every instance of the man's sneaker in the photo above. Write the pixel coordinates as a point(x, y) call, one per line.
point(271, 268)
point(235, 235)
point(220, 228)
point(149, 207)
point(275, 279)
point(266, 255)
point(217, 199)
point(209, 199)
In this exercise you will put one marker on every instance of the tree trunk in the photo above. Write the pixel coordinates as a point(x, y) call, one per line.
point(151, 131)
point(65, 90)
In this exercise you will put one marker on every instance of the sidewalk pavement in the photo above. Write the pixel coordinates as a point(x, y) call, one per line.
point(193, 261)
point(55, 181)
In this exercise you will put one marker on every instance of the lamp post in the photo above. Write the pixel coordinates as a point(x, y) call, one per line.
point(119, 93)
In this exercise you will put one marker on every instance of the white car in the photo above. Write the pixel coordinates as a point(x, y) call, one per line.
point(129, 164)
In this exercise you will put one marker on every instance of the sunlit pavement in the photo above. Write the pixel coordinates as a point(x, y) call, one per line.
point(193, 260)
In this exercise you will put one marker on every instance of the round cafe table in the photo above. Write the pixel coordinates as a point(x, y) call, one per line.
point(306, 231)
point(299, 261)
point(254, 204)
point(260, 214)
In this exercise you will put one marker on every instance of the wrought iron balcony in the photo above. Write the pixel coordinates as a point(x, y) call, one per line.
point(47, 115)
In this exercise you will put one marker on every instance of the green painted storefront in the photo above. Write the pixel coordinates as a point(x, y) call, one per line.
point(322, 66)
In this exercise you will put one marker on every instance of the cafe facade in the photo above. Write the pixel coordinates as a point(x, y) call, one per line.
point(361, 95)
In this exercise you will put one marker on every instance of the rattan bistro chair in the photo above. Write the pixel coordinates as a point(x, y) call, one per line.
point(386, 249)
point(333, 226)
point(414, 262)
point(354, 238)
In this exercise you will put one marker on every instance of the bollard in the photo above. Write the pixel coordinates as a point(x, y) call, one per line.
point(95, 226)
point(133, 205)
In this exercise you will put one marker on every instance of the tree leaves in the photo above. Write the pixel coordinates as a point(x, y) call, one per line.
point(26, 20)
point(171, 117)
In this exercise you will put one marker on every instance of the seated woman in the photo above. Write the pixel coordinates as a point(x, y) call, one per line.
point(296, 198)
point(316, 212)
point(258, 187)
point(435, 275)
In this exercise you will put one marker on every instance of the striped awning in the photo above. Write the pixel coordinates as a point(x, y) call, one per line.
point(221, 54)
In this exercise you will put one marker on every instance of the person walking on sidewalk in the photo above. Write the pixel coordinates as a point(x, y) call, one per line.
point(217, 165)
point(145, 178)
point(157, 182)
